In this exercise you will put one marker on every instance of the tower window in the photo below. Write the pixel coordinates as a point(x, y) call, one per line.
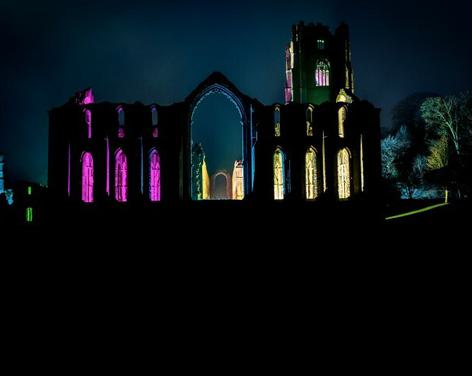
point(322, 73)
point(321, 44)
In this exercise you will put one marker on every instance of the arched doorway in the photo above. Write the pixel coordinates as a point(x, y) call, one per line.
point(202, 160)
point(221, 186)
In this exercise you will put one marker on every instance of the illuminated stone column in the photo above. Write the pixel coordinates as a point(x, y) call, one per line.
point(238, 181)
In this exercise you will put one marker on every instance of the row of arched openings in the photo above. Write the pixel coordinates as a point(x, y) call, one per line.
point(279, 168)
point(342, 115)
point(121, 176)
point(121, 121)
point(312, 175)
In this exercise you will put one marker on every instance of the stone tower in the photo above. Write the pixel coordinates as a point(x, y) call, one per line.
point(318, 64)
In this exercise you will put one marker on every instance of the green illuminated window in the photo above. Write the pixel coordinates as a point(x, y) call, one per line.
point(29, 215)
point(29, 190)
point(321, 44)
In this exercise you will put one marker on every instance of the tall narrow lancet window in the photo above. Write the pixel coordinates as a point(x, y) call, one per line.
point(279, 174)
point(311, 174)
point(121, 122)
point(342, 115)
point(88, 122)
point(277, 121)
point(344, 174)
point(322, 73)
point(154, 176)
point(309, 121)
point(121, 176)
point(87, 177)
point(155, 122)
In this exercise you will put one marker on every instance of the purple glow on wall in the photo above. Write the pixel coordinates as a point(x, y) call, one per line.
point(84, 97)
point(107, 183)
point(155, 132)
point(121, 133)
point(88, 121)
point(89, 98)
point(154, 176)
point(121, 176)
point(87, 178)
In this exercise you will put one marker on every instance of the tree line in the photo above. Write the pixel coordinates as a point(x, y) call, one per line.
point(427, 152)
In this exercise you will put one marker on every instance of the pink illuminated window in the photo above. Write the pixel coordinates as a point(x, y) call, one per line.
point(121, 176)
point(154, 176)
point(322, 73)
point(87, 178)
point(88, 121)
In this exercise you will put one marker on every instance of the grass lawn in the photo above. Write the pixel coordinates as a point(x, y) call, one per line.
point(428, 212)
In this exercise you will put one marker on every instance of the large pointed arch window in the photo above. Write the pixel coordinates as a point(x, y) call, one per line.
point(344, 174)
point(311, 174)
point(121, 176)
point(279, 174)
point(322, 73)
point(154, 176)
point(87, 177)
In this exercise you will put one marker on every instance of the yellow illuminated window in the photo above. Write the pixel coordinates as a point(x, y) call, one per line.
point(342, 115)
point(311, 175)
point(279, 175)
point(344, 174)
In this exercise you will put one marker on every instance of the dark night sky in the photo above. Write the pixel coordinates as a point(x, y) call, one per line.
point(151, 51)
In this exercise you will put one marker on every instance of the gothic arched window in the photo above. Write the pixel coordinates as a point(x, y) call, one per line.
point(344, 174)
point(279, 174)
point(322, 73)
point(121, 122)
point(154, 176)
point(88, 121)
point(154, 121)
point(87, 177)
point(311, 174)
point(121, 176)
point(342, 115)
point(277, 121)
